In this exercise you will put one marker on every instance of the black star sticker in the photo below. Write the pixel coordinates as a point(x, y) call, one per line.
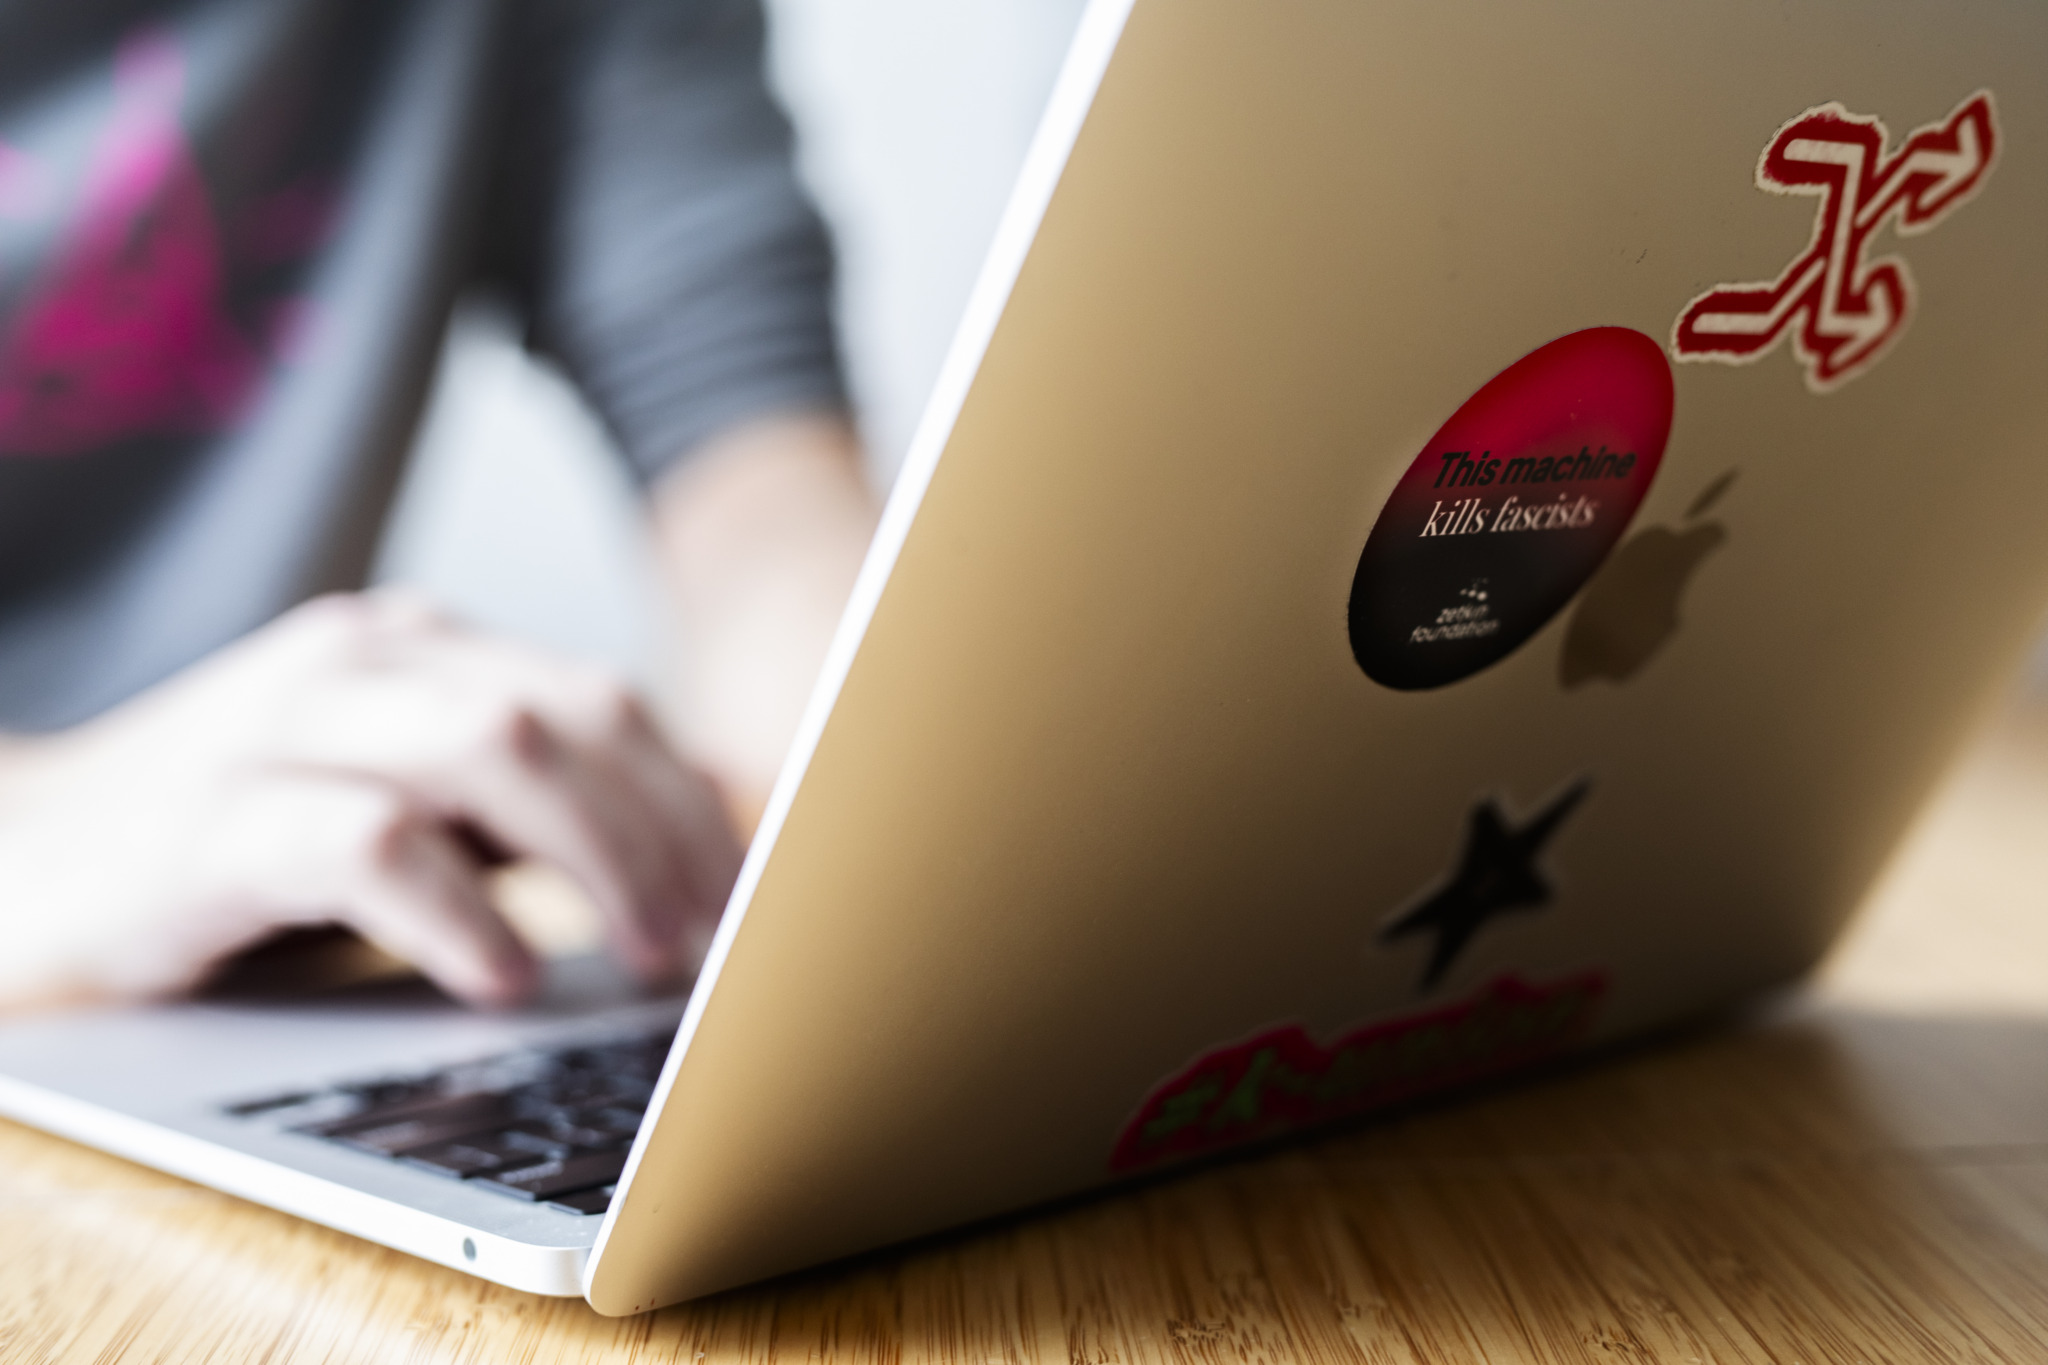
point(1497, 873)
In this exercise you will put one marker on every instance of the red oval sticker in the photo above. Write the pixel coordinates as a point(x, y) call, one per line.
point(1510, 508)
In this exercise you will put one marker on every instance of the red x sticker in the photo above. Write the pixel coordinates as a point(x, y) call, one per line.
point(1841, 306)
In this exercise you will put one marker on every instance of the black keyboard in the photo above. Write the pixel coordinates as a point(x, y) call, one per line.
point(548, 1126)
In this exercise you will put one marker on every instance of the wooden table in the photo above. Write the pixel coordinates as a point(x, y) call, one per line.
point(1857, 1174)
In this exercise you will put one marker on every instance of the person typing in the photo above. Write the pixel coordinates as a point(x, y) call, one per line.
point(230, 236)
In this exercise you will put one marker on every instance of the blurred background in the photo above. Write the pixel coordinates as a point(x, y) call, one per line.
point(912, 118)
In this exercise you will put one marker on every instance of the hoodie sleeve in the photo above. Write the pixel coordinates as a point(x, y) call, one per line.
point(668, 258)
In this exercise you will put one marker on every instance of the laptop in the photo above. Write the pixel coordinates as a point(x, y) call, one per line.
point(1451, 534)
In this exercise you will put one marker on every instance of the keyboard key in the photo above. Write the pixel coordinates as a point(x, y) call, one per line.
point(270, 1103)
point(587, 1201)
point(368, 1114)
point(393, 1090)
point(618, 1118)
point(585, 1138)
point(426, 1125)
point(476, 1156)
point(584, 1090)
point(552, 1179)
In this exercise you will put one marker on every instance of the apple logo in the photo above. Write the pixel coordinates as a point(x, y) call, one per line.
point(1630, 608)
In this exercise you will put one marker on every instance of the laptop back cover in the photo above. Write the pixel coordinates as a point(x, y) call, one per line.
point(1229, 734)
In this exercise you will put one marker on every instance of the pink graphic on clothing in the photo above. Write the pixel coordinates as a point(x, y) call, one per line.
point(24, 185)
point(125, 335)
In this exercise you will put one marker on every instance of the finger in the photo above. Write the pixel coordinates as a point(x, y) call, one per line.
point(682, 831)
point(418, 896)
point(310, 847)
point(650, 870)
point(692, 809)
point(552, 761)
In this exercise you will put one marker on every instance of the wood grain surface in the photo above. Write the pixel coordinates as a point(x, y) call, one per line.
point(1855, 1173)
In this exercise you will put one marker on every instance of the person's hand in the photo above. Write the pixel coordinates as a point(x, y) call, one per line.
point(360, 761)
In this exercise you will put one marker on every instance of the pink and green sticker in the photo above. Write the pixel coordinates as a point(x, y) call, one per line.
point(1282, 1079)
